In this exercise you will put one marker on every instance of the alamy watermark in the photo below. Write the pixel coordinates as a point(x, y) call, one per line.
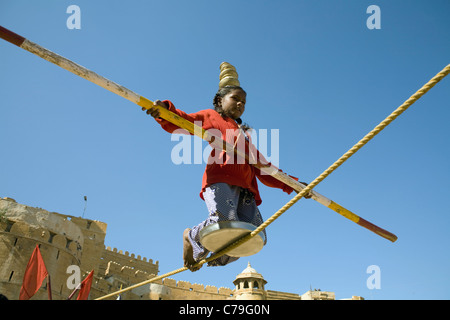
point(74, 280)
point(254, 146)
point(374, 280)
point(74, 20)
point(374, 20)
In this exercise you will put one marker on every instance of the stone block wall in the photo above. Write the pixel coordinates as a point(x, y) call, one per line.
point(21, 229)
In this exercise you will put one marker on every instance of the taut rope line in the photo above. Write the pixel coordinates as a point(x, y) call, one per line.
point(310, 186)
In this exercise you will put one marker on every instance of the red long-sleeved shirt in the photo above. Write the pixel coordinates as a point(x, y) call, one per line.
point(222, 167)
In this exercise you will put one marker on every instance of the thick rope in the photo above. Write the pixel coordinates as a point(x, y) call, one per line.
point(309, 187)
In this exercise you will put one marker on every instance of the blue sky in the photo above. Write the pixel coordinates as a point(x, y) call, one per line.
point(311, 69)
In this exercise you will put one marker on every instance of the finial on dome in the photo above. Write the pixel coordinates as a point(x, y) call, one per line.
point(228, 75)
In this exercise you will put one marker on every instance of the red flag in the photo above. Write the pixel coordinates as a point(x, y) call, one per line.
point(85, 287)
point(35, 273)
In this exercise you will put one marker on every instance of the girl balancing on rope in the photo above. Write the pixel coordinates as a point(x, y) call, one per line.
point(229, 186)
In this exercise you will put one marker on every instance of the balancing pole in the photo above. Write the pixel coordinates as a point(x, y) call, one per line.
point(182, 123)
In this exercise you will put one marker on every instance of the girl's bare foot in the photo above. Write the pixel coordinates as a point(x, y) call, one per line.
point(188, 258)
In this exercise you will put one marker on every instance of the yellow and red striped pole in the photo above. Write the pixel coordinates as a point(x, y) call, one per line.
point(182, 123)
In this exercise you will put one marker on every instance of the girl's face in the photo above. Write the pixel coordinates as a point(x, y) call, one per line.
point(233, 103)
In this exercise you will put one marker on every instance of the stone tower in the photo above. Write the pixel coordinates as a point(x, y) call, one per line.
point(249, 285)
point(63, 241)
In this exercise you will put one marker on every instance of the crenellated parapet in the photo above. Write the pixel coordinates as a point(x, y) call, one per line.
point(193, 291)
point(22, 227)
point(133, 261)
point(67, 241)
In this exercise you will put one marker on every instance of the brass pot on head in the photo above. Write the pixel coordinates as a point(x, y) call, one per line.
point(228, 75)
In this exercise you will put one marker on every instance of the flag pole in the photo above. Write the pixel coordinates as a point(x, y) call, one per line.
point(74, 291)
point(49, 287)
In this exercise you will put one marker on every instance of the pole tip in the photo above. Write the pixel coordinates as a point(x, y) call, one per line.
point(10, 36)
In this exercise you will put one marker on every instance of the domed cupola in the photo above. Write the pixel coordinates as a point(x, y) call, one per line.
point(249, 285)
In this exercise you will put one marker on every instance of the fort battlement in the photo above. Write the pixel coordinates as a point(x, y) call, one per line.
point(194, 291)
point(126, 274)
point(64, 241)
point(61, 241)
point(119, 275)
point(67, 241)
point(131, 260)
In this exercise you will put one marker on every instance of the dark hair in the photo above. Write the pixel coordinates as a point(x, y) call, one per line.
point(222, 93)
